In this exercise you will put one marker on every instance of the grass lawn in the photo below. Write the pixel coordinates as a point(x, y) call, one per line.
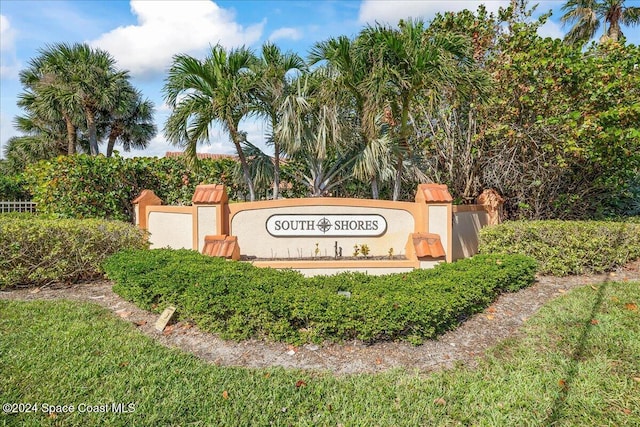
point(576, 363)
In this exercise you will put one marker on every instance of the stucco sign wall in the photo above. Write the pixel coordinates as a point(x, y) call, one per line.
point(313, 235)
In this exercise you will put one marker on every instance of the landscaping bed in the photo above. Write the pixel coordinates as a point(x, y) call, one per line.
point(328, 258)
point(463, 345)
point(240, 301)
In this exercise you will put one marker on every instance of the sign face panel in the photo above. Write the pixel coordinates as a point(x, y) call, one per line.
point(317, 225)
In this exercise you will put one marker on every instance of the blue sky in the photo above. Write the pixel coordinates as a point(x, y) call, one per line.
point(143, 36)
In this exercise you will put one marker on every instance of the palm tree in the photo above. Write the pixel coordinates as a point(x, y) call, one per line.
point(44, 98)
point(88, 79)
point(315, 130)
point(261, 166)
point(131, 122)
point(42, 140)
point(409, 66)
point(349, 68)
point(274, 75)
point(75, 79)
point(214, 90)
point(587, 16)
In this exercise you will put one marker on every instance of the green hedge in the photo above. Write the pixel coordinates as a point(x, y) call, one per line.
point(566, 247)
point(35, 250)
point(239, 301)
point(103, 187)
point(13, 188)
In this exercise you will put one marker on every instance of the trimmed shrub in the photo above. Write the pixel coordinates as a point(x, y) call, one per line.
point(566, 247)
point(240, 301)
point(85, 186)
point(13, 188)
point(35, 250)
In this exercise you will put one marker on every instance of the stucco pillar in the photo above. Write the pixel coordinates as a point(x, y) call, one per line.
point(439, 215)
point(140, 203)
point(211, 213)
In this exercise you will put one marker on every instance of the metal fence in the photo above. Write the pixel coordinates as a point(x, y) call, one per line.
point(17, 206)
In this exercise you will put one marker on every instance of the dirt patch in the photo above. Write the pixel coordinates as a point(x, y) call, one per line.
point(465, 344)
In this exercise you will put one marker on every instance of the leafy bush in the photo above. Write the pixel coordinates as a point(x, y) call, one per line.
point(34, 250)
point(633, 205)
point(13, 187)
point(103, 187)
point(566, 247)
point(240, 301)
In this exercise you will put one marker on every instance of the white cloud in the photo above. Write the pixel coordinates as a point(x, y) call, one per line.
point(164, 108)
point(218, 147)
point(166, 28)
point(7, 34)
point(256, 130)
point(286, 33)
point(157, 147)
point(390, 12)
point(9, 64)
point(551, 29)
point(219, 142)
point(7, 131)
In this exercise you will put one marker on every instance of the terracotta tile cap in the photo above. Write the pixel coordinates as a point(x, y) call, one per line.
point(427, 245)
point(434, 193)
point(221, 246)
point(210, 194)
point(148, 197)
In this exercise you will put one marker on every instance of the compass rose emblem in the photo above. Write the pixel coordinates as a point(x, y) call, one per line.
point(324, 225)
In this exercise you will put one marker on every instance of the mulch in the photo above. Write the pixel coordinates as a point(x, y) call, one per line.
point(463, 345)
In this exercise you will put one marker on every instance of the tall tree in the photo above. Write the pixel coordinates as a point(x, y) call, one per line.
point(349, 68)
point(410, 66)
point(41, 140)
point(275, 71)
point(131, 121)
point(453, 150)
point(80, 87)
point(549, 149)
point(44, 97)
point(316, 131)
point(203, 93)
point(586, 16)
point(88, 79)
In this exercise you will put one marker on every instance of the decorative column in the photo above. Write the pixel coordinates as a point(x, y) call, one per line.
point(438, 221)
point(492, 202)
point(140, 203)
point(211, 213)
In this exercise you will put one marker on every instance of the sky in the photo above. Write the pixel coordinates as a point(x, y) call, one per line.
point(144, 35)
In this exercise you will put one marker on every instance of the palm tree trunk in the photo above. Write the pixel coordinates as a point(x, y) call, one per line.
point(276, 159)
point(71, 136)
point(375, 191)
point(404, 143)
point(93, 132)
point(276, 170)
point(235, 136)
point(398, 179)
point(116, 131)
point(110, 144)
point(614, 31)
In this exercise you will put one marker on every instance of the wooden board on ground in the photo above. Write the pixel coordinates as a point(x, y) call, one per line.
point(164, 318)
